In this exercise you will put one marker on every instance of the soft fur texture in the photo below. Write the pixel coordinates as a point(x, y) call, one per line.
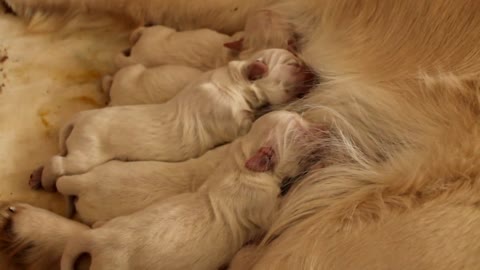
point(137, 84)
point(159, 45)
point(396, 184)
point(204, 229)
point(119, 188)
point(224, 16)
point(179, 129)
point(220, 217)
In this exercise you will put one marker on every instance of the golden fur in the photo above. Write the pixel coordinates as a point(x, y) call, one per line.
point(397, 182)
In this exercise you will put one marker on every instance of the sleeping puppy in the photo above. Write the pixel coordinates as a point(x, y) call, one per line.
point(119, 188)
point(189, 51)
point(233, 205)
point(202, 230)
point(206, 49)
point(214, 110)
point(137, 84)
point(203, 49)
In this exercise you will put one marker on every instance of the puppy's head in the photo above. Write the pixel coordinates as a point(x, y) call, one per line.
point(277, 75)
point(274, 144)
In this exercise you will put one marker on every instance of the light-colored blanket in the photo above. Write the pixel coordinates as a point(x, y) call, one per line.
point(46, 76)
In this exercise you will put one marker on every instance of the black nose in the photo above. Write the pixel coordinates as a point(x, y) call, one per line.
point(127, 52)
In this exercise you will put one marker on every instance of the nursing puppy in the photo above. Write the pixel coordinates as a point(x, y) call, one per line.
point(119, 188)
point(183, 128)
point(137, 84)
point(203, 49)
point(234, 204)
point(202, 230)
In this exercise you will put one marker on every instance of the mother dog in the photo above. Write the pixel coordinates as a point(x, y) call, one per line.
point(397, 184)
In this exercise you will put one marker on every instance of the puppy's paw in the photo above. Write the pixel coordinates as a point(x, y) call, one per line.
point(35, 181)
point(136, 35)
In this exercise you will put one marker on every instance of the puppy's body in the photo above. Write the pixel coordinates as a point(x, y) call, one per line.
point(200, 230)
point(137, 84)
point(183, 127)
point(120, 188)
point(159, 45)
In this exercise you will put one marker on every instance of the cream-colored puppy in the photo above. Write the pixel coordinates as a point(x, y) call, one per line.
point(119, 188)
point(203, 49)
point(202, 230)
point(137, 84)
point(216, 109)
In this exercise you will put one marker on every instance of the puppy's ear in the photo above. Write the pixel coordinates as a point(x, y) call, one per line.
point(236, 45)
point(264, 160)
point(256, 70)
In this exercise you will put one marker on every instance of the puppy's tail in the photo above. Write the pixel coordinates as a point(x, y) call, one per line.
point(77, 253)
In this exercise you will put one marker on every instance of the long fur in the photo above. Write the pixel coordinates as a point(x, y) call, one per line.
point(182, 15)
point(396, 183)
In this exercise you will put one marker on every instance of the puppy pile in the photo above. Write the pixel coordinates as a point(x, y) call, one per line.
point(176, 173)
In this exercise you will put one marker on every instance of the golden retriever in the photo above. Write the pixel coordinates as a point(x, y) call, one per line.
point(396, 184)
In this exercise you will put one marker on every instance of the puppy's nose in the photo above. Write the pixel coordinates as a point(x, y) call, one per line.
point(127, 52)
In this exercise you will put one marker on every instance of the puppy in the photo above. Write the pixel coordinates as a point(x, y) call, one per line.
point(183, 128)
point(120, 188)
point(203, 49)
point(243, 191)
point(137, 84)
point(202, 230)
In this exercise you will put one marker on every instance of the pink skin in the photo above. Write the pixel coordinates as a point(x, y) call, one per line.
point(302, 75)
point(264, 160)
point(235, 45)
point(257, 70)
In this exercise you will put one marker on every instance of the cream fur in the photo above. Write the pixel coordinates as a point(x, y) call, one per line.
point(160, 45)
point(177, 130)
point(399, 176)
point(119, 188)
point(200, 230)
point(210, 224)
point(137, 84)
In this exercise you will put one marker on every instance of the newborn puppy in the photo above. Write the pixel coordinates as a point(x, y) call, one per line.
point(137, 84)
point(203, 49)
point(203, 230)
point(119, 188)
point(214, 110)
